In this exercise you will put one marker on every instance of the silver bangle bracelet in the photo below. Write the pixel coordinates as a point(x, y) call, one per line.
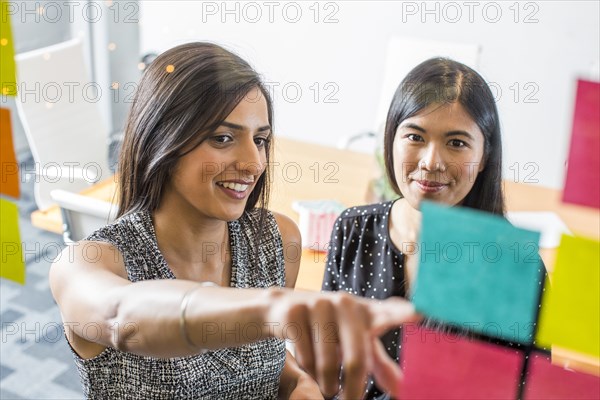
point(183, 308)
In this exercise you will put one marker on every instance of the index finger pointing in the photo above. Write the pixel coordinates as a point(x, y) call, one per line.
point(391, 313)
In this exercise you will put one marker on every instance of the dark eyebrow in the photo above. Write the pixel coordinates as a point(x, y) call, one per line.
point(410, 125)
point(459, 133)
point(416, 127)
point(241, 128)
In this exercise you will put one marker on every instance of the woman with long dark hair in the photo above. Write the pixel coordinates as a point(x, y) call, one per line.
point(188, 294)
point(442, 143)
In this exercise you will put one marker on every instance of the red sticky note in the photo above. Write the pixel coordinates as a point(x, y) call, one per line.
point(9, 168)
point(583, 171)
point(446, 366)
point(545, 381)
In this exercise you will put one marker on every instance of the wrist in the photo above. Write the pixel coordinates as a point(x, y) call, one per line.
point(274, 311)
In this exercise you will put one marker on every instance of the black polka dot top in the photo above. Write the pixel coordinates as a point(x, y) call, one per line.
point(363, 261)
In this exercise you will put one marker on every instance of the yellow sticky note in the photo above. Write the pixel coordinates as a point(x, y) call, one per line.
point(12, 265)
point(570, 316)
point(8, 80)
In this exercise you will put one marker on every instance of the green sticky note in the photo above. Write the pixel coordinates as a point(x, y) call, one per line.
point(8, 79)
point(479, 272)
point(12, 265)
point(570, 316)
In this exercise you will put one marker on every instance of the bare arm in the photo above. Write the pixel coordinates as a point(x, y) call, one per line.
point(295, 383)
point(144, 317)
point(292, 248)
point(98, 304)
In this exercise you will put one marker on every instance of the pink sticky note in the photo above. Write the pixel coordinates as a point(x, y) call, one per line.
point(545, 381)
point(583, 172)
point(445, 366)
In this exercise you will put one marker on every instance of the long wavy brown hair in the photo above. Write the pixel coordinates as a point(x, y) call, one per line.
point(183, 96)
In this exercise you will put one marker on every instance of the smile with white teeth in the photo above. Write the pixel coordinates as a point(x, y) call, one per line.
point(238, 187)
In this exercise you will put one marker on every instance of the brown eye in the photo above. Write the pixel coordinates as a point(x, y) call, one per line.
point(222, 139)
point(413, 137)
point(261, 141)
point(457, 143)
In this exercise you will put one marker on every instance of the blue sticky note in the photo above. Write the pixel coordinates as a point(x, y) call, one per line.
point(479, 272)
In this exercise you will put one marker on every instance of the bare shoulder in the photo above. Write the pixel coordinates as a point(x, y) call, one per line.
point(290, 233)
point(292, 247)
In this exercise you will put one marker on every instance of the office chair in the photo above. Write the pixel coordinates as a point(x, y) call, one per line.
point(82, 215)
point(57, 105)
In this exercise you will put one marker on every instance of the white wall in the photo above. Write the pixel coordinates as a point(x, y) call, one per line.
point(559, 42)
point(30, 33)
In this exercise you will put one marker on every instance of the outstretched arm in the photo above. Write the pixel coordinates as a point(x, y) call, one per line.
point(329, 329)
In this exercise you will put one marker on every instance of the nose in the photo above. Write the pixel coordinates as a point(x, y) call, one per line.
point(249, 158)
point(432, 159)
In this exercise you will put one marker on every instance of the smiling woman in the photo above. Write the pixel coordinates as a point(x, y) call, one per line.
point(231, 161)
point(458, 104)
point(437, 155)
point(442, 143)
point(176, 111)
point(190, 293)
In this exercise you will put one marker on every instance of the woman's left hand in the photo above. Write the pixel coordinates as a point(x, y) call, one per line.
point(296, 384)
point(306, 389)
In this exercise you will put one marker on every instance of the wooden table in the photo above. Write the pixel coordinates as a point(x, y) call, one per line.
point(305, 171)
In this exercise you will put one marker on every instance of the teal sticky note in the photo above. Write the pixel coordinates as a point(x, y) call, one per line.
point(479, 272)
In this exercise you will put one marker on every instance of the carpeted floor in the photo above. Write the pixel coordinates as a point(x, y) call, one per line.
point(35, 359)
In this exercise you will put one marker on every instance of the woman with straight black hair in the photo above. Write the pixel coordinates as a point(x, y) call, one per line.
point(442, 143)
point(188, 295)
point(442, 82)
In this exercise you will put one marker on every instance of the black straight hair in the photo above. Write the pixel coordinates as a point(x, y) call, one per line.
point(444, 81)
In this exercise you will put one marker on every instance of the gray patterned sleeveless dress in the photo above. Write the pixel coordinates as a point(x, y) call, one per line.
point(247, 372)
